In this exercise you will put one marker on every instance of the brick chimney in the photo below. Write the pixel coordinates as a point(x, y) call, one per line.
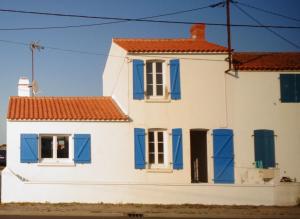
point(198, 32)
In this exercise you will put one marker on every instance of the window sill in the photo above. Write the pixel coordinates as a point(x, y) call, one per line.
point(157, 100)
point(57, 163)
point(161, 170)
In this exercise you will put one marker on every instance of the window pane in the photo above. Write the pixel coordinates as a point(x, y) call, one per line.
point(159, 90)
point(149, 67)
point(151, 147)
point(159, 79)
point(63, 147)
point(47, 147)
point(158, 66)
point(151, 136)
point(151, 158)
point(149, 78)
point(161, 147)
point(149, 90)
point(160, 136)
point(160, 158)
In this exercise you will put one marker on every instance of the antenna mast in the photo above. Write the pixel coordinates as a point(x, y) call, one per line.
point(33, 46)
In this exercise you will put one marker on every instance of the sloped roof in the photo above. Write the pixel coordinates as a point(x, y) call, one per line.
point(266, 61)
point(168, 45)
point(65, 108)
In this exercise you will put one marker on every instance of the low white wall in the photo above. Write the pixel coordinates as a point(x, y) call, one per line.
point(15, 190)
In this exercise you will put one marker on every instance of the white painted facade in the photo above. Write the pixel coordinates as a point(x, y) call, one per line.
point(210, 99)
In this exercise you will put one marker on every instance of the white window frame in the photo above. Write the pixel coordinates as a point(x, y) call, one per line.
point(154, 74)
point(166, 151)
point(54, 158)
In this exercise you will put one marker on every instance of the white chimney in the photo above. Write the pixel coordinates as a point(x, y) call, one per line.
point(24, 87)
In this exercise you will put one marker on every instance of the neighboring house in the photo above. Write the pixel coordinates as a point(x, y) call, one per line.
point(173, 129)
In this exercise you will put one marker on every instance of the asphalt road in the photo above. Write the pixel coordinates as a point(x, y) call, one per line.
point(103, 217)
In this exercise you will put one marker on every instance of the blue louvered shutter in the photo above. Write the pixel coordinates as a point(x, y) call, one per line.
point(264, 147)
point(29, 148)
point(288, 88)
point(138, 79)
point(223, 156)
point(139, 148)
point(177, 148)
point(175, 79)
point(82, 148)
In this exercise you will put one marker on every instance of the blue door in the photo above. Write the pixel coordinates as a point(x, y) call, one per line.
point(223, 156)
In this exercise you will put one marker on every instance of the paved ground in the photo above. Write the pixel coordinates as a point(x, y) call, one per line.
point(148, 211)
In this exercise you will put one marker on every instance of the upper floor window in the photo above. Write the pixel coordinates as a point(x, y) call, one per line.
point(290, 88)
point(154, 78)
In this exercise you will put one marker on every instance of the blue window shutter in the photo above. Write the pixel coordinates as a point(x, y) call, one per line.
point(288, 88)
point(29, 148)
point(264, 147)
point(223, 156)
point(177, 148)
point(82, 148)
point(139, 148)
point(138, 79)
point(175, 79)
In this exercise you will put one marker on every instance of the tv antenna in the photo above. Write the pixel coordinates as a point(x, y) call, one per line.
point(34, 46)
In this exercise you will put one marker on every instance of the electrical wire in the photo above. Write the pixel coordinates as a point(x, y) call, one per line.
point(143, 20)
point(268, 12)
point(113, 22)
point(267, 28)
point(106, 54)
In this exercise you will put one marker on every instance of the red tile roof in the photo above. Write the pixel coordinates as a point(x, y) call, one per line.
point(65, 108)
point(266, 61)
point(168, 45)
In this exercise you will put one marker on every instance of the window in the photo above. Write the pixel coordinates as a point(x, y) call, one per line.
point(154, 78)
point(290, 88)
point(157, 148)
point(54, 147)
point(264, 148)
point(154, 149)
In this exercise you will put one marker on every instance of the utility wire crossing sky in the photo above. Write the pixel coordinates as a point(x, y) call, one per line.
point(76, 48)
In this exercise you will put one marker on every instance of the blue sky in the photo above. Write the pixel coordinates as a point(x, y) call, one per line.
point(73, 74)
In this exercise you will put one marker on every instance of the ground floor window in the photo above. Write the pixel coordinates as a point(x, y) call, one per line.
point(264, 148)
point(54, 146)
point(157, 148)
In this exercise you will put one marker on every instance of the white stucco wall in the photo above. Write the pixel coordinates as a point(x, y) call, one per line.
point(115, 76)
point(254, 103)
point(210, 99)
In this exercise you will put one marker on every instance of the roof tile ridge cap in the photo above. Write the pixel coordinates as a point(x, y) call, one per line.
point(152, 39)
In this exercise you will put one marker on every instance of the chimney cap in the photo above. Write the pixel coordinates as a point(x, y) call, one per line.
point(198, 31)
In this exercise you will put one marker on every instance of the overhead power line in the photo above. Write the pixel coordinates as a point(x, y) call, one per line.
point(104, 54)
point(269, 12)
point(267, 28)
point(144, 20)
point(113, 22)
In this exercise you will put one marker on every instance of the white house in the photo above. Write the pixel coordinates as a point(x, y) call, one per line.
point(174, 127)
